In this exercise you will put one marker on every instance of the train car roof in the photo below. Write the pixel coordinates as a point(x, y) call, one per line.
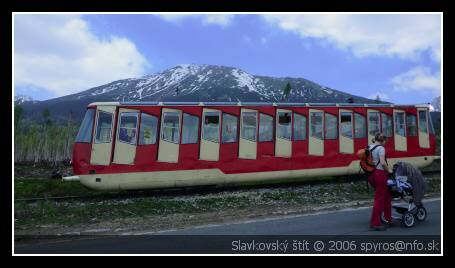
point(156, 103)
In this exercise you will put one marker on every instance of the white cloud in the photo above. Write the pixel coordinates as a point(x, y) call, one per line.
point(382, 96)
point(418, 79)
point(402, 35)
point(61, 54)
point(222, 20)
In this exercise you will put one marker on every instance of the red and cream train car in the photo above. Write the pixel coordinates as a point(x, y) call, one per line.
point(132, 145)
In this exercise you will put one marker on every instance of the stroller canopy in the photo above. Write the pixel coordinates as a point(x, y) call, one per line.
point(415, 178)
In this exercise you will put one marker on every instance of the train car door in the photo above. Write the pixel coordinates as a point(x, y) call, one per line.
point(316, 137)
point(248, 134)
point(102, 140)
point(400, 130)
point(424, 137)
point(168, 150)
point(210, 135)
point(346, 132)
point(126, 138)
point(283, 141)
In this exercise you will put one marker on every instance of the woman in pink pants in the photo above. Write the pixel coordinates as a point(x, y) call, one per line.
point(382, 198)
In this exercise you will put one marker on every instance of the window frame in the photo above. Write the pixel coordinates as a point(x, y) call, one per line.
point(119, 126)
point(385, 115)
point(256, 136)
point(92, 125)
point(408, 132)
point(203, 126)
point(179, 113)
point(396, 123)
point(305, 136)
point(183, 128)
point(426, 121)
point(260, 124)
point(140, 129)
point(236, 127)
point(325, 126)
point(368, 122)
point(96, 141)
point(364, 128)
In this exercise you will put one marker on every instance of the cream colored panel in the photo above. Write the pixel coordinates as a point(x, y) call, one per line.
point(124, 153)
point(283, 147)
point(424, 138)
point(400, 141)
point(210, 150)
point(169, 151)
point(346, 143)
point(248, 148)
point(371, 136)
point(184, 178)
point(315, 145)
point(101, 152)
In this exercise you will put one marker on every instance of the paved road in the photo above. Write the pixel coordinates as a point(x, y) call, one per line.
point(345, 222)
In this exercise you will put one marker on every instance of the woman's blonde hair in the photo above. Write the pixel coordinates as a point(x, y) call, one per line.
point(379, 137)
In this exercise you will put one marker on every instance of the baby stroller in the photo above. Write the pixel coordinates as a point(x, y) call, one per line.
point(407, 183)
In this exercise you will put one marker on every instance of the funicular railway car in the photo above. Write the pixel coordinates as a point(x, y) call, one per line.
point(131, 145)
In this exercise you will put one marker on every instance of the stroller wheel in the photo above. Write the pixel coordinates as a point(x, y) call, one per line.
point(408, 219)
point(421, 214)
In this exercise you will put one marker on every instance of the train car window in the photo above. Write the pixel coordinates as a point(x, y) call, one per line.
point(85, 130)
point(423, 121)
point(299, 127)
point(373, 123)
point(387, 128)
point(411, 124)
point(103, 127)
point(430, 120)
point(265, 127)
point(360, 130)
point(331, 127)
point(249, 125)
point(211, 129)
point(128, 127)
point(147, 132)
point(346, 124)
point(284, 125)
point(170, 130)
point(400, 126)
point(190, 129)
point(229, 128)
point(316, 125)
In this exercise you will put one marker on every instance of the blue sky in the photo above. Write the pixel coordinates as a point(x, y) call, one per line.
point(395, 56)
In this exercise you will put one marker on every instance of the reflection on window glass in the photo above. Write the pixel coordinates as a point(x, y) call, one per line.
point(430, 122)
point(85, 130)
point(127, 127)
point(331, 127)
point(387, 128)
point(211, 129)
point(299, 127)
point(411, 124)
point(249, 124)
point(190, 129)
point(284, 130)
point(103, 127)
point(423, 121)
point(171, 127)
point(373, 123)
point(316, 125)
point(229, 128)
point(400, 127)
point(265, 127)
point(360, 126)
point(346, 124)
point(148, 126)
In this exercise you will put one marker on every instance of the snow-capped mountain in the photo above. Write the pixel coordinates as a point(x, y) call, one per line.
point(191, 82)
point(436, 104)
point(19, 99)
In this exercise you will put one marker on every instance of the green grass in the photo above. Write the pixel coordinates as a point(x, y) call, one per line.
point(32, 188)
